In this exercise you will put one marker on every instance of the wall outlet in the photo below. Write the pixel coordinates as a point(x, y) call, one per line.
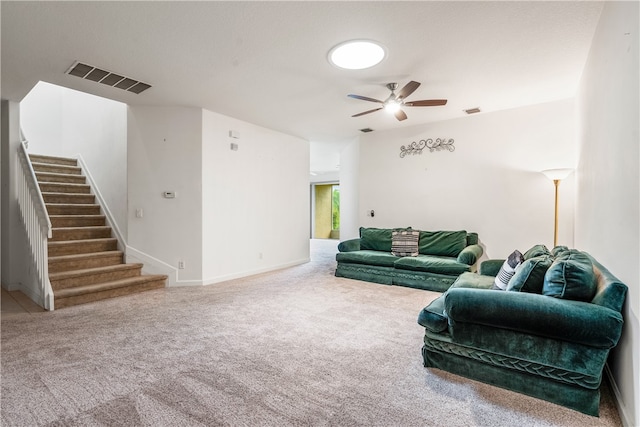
point(181, 265)
point(259, 255)
point(139, 213)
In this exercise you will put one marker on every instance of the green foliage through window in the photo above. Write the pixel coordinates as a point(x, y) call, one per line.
point(335, 207)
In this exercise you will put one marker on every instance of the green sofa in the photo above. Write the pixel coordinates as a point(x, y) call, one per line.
point(441, 257)
point(548, 335)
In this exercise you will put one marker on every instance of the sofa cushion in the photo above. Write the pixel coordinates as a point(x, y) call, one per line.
point(375, 239)
point(536, 251)
point(433, 317)
point(382, 259)
point(473, 280)
point(404, 242)
point(571, 277)
point(442, 243)
point(529, 276)
point(432, 264)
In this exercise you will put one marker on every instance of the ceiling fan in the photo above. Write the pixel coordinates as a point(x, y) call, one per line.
point(394, 102)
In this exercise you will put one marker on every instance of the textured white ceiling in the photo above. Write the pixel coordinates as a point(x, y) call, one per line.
point(265, 62)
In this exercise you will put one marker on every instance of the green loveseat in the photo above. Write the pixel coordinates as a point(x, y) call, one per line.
point(549, 338)
point(442, 256)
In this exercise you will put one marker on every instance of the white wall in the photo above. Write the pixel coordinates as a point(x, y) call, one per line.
point(255, 200)
point(491, 183)
point(608, 202)
point(62, 122)
point(15, 249)
point(164, 154)
point(349, 190)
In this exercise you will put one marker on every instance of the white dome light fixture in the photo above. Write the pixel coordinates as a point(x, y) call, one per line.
point(357, 54)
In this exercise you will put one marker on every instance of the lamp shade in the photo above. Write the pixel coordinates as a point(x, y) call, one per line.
point(557, 174)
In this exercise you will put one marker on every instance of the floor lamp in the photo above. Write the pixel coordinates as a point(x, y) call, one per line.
point(556, 175)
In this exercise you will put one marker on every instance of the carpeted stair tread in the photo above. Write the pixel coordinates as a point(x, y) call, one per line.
point(86, 255)
point(62, 221)
point(115, 288)
point(52, 160)
point(82, 246)
point(83, 261)
point(88, 271)
point(80, 233)
point(44, 167)
point(64, 187)
point(68, 198)
point(52, 177)
point(90, 276)
point(75, 209)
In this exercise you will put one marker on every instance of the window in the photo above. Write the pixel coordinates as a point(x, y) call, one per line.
point(335, 207)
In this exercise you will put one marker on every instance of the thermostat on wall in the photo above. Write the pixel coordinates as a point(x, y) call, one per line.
point(169, 194)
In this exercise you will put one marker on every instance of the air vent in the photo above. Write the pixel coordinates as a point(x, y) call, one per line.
point(89, 72)
point(472, 110)
point(366, 130)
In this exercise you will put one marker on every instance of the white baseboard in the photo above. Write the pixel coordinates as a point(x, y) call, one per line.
point(152, 265)
point(211, 281)
point(155, 266)
point(622, 410)
point(32, 293)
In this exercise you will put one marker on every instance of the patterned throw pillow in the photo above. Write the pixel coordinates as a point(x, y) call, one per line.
point(404, 242)
point(507, 270)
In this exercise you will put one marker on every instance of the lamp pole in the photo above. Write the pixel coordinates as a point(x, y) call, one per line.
point(556, 175)
point(556, 183)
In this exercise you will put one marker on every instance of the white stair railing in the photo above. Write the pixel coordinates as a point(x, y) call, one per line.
point(37, 224)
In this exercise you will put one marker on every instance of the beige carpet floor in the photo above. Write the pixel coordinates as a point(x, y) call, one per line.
point(294, 347)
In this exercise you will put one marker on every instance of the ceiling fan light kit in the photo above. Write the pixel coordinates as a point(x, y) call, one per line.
point(394, 103)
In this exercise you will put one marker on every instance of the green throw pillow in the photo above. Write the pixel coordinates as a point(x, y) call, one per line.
point(536, 251)
point(559, 251)
point(375, 239)
point(571, 277)
point(529, 276)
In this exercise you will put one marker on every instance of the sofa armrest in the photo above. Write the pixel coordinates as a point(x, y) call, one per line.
point(349, 245)
point(491, 267)
point(566, 320)
point(470, 254)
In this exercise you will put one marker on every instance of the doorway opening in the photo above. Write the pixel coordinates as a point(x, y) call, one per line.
point(326, 211)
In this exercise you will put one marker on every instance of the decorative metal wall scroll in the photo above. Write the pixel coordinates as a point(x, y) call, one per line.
point(437, 145)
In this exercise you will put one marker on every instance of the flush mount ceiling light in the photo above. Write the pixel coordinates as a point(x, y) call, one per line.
point(357, 54)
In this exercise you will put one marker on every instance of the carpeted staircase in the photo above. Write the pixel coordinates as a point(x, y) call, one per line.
point(84, 262)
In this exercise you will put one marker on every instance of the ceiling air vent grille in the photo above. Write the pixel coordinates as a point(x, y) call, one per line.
point(89, 72)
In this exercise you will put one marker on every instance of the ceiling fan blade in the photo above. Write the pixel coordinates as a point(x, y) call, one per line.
point(366, 112)
point(400, 115)
point(407, 90)
point(426, 103)
point(364, 98)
